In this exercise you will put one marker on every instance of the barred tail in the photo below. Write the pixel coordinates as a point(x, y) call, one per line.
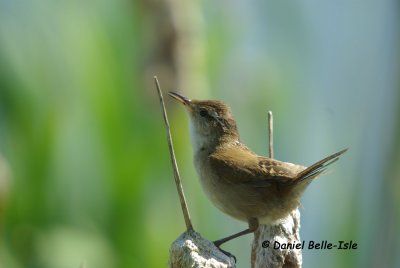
point(319, 167)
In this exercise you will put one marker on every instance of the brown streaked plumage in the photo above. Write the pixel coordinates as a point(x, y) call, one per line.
point(246, 186)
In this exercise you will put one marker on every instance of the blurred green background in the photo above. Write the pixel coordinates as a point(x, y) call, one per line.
point(85, 176)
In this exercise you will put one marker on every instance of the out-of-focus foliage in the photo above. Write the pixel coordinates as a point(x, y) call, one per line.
point(85, 175)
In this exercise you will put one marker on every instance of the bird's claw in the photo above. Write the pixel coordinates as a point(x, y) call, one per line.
point(230, 255)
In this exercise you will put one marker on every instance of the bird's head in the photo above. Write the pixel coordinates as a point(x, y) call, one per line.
point(211, 121)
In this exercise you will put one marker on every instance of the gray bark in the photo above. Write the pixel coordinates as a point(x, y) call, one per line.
point(191, 250)
point(287, 231)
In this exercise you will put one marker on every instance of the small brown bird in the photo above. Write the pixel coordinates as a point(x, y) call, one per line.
point(248, 187)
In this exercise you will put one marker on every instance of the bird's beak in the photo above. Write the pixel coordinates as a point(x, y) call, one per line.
point(185, 101)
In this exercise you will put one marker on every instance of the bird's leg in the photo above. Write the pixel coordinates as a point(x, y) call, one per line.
point(253, 225)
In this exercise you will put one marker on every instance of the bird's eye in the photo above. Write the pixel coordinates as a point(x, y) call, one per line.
point(203, 113)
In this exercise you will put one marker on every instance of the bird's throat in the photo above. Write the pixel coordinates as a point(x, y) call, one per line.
point(207, 143)
point(200, 142)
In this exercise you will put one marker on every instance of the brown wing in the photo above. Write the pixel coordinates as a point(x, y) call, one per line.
point(237, 164)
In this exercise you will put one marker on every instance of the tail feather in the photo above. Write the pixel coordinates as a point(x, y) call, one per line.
point(319, 167)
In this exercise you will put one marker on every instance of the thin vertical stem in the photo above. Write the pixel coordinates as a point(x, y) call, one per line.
point(271, 134)
point(178, 183)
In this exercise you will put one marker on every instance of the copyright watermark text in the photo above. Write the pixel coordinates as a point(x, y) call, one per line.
point(320, 245)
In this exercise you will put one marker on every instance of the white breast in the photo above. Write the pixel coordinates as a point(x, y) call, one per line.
point(198, 141)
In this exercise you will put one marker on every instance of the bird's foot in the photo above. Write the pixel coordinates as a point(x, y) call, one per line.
point(230, 255)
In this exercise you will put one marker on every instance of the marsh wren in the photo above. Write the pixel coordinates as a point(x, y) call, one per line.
point(248, 187)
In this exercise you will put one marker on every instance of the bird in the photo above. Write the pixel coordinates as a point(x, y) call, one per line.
point(248, 187)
